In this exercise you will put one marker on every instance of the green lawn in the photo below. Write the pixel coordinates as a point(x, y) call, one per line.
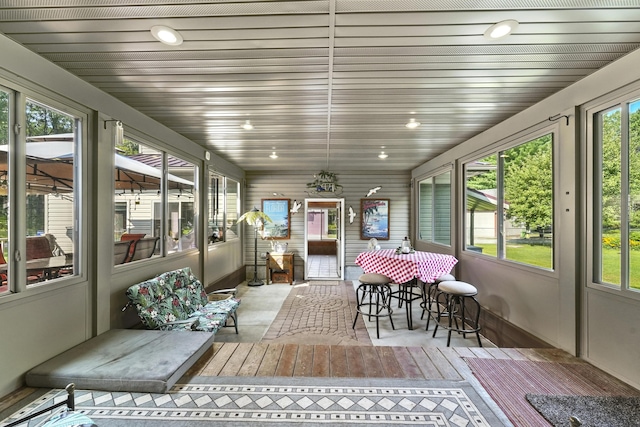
point(541, 256)
point(537, 255)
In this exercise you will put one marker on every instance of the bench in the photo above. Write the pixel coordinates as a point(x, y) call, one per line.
point(176, 300)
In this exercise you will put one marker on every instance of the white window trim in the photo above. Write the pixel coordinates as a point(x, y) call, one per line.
point(619, 99)
point(496, 148)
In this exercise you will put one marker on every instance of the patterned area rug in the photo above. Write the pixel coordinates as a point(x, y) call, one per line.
point(256, 401)
point(509, 381)
point(315, 313)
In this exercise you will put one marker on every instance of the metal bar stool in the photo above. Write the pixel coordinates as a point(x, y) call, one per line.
point(429, 297)
point(376, 287)
point(452, 295)
point(408, 292)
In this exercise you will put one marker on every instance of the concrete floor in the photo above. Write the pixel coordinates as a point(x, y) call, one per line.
point(261, 304)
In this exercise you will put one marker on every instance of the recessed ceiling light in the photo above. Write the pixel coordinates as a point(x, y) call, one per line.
point(273, 155)
point(166, 35)
point(412, 124)
point(383, 155)
point(247, 125)
point(501, 29)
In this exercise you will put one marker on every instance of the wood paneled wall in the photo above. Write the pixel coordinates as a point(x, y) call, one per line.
point(355, 186)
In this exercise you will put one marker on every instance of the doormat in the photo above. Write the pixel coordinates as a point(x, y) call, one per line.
point(318, 314)
point(279, 401)
point(509, 381)
point(591, 411)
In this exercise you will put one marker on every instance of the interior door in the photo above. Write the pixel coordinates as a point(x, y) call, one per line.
point(339, 249)
point(324, 209)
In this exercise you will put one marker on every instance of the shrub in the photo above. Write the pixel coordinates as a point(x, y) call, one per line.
point(614, 242)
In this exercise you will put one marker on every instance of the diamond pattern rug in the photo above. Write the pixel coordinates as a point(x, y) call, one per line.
point(258, 401)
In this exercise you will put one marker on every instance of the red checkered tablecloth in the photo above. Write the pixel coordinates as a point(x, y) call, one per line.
point(426, 266)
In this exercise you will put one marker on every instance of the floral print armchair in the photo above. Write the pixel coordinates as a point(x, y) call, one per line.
point(176, 300)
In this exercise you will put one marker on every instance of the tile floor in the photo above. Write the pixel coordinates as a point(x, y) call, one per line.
point(322, 267)
point(261, 304)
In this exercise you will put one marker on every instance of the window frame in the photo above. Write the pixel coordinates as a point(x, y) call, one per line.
point(167, 202)
point(164, 200)
point(220, 193)
point(223, 191)
point(497, 149)
point(232, 207)
point(19, 97)
point(433, 176)
point(592, 172)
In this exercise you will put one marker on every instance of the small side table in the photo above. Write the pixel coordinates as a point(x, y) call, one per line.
point(280, 268)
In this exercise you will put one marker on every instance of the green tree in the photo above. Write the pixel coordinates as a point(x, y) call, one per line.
point(128, 147)
point(483, 179)
point(634, 167)
point(528, 184)
point(611, 174)
point(528, 181)
point(611, 132)
point(45, 121)
point(35, 214)
point(4, 118)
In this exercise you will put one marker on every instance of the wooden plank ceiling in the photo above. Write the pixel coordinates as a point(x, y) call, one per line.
point(327, 84)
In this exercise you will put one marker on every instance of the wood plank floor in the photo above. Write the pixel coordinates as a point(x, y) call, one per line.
point(288, 360)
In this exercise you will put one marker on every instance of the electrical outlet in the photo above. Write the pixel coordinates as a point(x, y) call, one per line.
point(263, 255)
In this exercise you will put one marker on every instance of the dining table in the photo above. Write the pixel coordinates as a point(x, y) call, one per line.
point(405, 269)
point(49, 266)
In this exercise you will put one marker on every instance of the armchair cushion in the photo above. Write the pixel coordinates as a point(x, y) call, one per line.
point(177, 300)
point(187, 288)
point(69, 418)
point(156, 303)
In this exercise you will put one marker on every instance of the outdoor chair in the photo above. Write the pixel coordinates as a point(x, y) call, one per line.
point(131, 237)
point(38, 247)
point(121, 251)
point(144, 248)
point(3, 274)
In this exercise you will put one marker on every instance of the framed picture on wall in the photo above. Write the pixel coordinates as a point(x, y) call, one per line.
point(374, 214)
point(278, 211)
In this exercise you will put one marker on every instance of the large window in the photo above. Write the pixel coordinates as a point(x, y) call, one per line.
point(232, 209)
point(181, 223)
point(45, 219)
point(154, 224)
point(4, 187)
point(509, 203)
point(52, 139)
point(434, 200)
point(616, 201)
point(223, 208)
point(481, 187)
point(216, 228)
